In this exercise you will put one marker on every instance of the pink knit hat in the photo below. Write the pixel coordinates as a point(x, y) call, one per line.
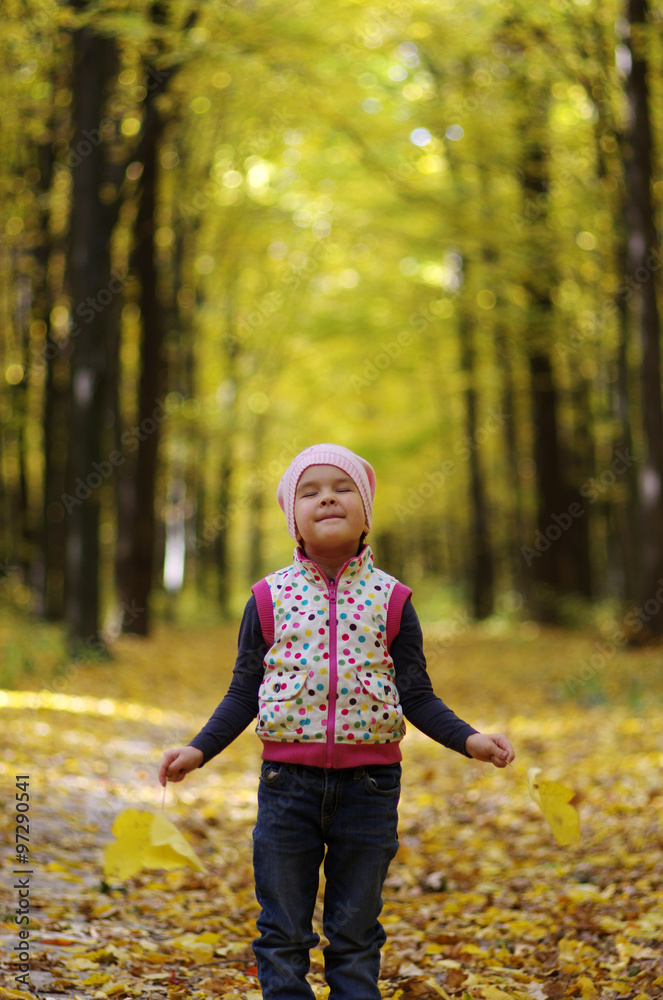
point(357, 468)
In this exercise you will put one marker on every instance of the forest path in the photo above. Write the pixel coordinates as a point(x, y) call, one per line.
point(480, 901)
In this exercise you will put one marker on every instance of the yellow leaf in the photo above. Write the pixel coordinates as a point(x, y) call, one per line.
point(97, 979)
point(199, 947)
point(493, 993)
point(471, 949)
point(146, 840)
point(628, 949)
point(587, 988)
point(553, 799)
point(80, 964)
point(15, 994)
point(579, 893)
point(121, 989)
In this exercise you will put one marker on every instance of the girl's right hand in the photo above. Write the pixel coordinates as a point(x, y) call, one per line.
point(176, 764)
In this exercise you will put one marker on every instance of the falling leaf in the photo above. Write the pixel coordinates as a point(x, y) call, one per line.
point(554, 801)
point(146, 840)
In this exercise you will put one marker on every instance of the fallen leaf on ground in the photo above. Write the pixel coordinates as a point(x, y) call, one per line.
point(477, 887)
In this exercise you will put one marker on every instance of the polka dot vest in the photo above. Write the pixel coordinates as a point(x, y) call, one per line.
point(329, 677)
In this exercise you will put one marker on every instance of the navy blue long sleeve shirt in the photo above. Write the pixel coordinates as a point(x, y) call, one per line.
point(420, 704)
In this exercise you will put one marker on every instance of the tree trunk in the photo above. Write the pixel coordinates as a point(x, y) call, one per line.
point(482, 596)
point(222, 556)
point(256, 501)
point(231, 350)
point(90, 285)
point(135, 558)
point(643, 261)
point(515, 535)
point(543, 555)
point(627, 520)
point(136, 553)
point(55, 361)
point(56, 423)
point(24, 535)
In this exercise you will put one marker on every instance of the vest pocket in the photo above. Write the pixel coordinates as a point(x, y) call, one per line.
point(281, 688)
point(379, 687)
point(280, 702)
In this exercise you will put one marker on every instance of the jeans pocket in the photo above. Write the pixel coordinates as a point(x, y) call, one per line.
point(271, 774)
point(383, 780)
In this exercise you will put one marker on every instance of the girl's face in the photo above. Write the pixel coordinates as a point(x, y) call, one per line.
point(329, 512)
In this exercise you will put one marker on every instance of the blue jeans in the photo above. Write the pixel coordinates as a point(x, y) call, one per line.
point(353, 813)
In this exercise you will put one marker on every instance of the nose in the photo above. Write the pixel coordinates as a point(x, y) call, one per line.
point(326, 500)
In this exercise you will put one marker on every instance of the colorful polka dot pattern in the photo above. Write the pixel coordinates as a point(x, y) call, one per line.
point(294, 695)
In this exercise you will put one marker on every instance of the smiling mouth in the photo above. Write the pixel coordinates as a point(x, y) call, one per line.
point(330, 517)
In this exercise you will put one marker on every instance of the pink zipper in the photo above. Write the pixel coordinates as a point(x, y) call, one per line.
point(333, 676)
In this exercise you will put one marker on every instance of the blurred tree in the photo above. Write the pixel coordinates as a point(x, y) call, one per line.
point(643, 262)
point(387, 226)
point(135, 555)
point(91, 287)
point(557, 554)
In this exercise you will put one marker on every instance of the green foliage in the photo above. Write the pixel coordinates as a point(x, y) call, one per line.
point(340, 185)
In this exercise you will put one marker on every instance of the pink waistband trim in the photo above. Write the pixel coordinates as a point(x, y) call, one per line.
point(345, 755)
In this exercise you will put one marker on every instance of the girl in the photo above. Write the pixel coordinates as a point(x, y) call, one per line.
point(331, 660)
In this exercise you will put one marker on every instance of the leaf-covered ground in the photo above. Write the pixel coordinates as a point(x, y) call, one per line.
point(480, 902)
